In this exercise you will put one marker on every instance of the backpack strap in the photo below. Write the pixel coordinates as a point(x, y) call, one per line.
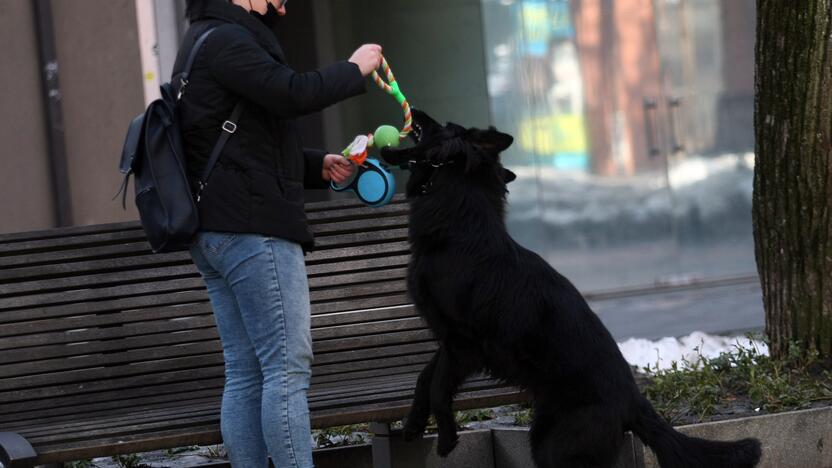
point(229, 127)
point(186, 72)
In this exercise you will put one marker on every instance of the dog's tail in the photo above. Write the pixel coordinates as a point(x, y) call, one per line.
point(676, 450)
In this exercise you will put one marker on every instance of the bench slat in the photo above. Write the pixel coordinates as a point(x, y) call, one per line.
point(167, 273)
point(68, 297)
point(103, 251)
point(94, 266)
point(125, 398)
point(68, 242)
point(98, 280)
point(99, 360)
point(110, 372)
point(361, 238)
point(127, 330)
point(63, 351)
point(54, 233)
point(396, 410)
point(125, 363)
point(147, 327)
point(369, 302)
point(321, 269)
point(345, 214)
point(362, 316)
point(40, 418)
point(361, 342)
point(80, 308)
point(178, 437)
point(366, 364)
point(177, 285)
point(116, 421)
point(347, 202)
point(359, 225)
point(149, 380)
point(50, 351)
point(387, 248)
point(89, 253)
point(103, 319)
point(178, 311)
point(162, 357)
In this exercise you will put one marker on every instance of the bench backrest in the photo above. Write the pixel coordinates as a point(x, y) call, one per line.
point(91, 320)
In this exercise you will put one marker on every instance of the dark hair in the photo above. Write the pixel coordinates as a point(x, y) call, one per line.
point(194, 8)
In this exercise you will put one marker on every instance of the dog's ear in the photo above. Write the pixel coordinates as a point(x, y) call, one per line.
point(484, 146)
point(491, 141)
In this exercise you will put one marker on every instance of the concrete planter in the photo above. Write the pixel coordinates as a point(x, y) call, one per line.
point(799, 439)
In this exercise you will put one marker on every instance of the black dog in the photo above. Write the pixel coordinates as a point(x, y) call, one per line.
point(494, 305)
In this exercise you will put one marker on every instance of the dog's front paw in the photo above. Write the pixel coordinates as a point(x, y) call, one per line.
point(446, 445)
point(413, 429)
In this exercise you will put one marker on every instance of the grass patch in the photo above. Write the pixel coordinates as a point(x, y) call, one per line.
point(132, 460)
point(476, 415)
point(86, 463)
point(696, 390)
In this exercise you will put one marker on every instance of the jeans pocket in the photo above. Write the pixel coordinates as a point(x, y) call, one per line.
point(215, 242)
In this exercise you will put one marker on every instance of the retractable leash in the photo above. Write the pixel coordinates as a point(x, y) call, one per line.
point(372, 180)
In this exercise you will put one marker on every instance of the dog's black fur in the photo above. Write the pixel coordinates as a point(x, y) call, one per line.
point(494, 305)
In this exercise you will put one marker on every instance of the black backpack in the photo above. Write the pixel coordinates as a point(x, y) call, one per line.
point(153, 151)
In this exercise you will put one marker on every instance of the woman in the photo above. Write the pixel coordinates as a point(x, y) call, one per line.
point(253, 226)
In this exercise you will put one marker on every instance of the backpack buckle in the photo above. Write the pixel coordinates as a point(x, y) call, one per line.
point(183, 83)
point(229, 126)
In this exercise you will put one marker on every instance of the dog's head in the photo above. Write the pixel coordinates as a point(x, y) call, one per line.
point(472, 152)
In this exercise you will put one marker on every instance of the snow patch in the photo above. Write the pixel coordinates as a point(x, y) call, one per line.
point(642, 353)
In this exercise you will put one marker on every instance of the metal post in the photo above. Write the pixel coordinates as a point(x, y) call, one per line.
point(54, 113)
point(382, 455)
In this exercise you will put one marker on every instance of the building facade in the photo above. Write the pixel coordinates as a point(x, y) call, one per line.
point(632, 118)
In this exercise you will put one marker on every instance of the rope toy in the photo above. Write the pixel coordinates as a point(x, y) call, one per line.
point(372, 181)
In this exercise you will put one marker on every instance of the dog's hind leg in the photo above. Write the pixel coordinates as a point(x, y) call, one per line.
point(453, 366)
point(582, 437)
point(417, 419)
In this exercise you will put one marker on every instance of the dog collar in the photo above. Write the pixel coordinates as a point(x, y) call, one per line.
point(425, 188)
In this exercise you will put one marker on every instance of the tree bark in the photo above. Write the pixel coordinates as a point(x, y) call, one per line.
point(793, 174)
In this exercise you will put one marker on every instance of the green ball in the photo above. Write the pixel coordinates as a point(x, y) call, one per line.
point(386, 135)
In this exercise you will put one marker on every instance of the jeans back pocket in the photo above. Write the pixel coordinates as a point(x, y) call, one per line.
point(215, 242)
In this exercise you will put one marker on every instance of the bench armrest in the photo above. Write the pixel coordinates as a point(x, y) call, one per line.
point(15, 451)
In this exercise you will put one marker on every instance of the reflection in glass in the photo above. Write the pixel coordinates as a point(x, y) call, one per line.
point(631, 120)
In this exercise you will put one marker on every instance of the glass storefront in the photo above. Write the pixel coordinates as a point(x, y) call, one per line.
point(633, 125)
point(633, 135)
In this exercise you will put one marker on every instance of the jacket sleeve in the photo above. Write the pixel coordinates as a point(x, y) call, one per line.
point(313, 169)
point(248, 70)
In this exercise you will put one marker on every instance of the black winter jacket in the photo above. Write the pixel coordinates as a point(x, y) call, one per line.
point(257, 184)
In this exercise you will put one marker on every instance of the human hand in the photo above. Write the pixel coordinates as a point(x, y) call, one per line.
point(367, 57)
point(337, 168)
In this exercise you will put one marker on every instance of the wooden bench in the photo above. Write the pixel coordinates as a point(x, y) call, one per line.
point(107, 348)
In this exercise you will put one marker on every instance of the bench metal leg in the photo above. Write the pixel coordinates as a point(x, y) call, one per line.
point(15, 451)
point(382, 455)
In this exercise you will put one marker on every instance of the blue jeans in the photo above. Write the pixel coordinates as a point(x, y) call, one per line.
point(260, 295)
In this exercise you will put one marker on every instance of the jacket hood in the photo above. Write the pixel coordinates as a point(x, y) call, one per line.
point(224, 10)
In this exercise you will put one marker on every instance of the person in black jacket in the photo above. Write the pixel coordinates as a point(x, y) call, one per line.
point(253, 229)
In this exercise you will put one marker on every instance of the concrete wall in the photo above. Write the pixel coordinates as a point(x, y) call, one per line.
point(25, 194)
point(101, 82)
point(100, 78)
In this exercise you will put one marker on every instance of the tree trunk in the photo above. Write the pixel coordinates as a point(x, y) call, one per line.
point(793, 175)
